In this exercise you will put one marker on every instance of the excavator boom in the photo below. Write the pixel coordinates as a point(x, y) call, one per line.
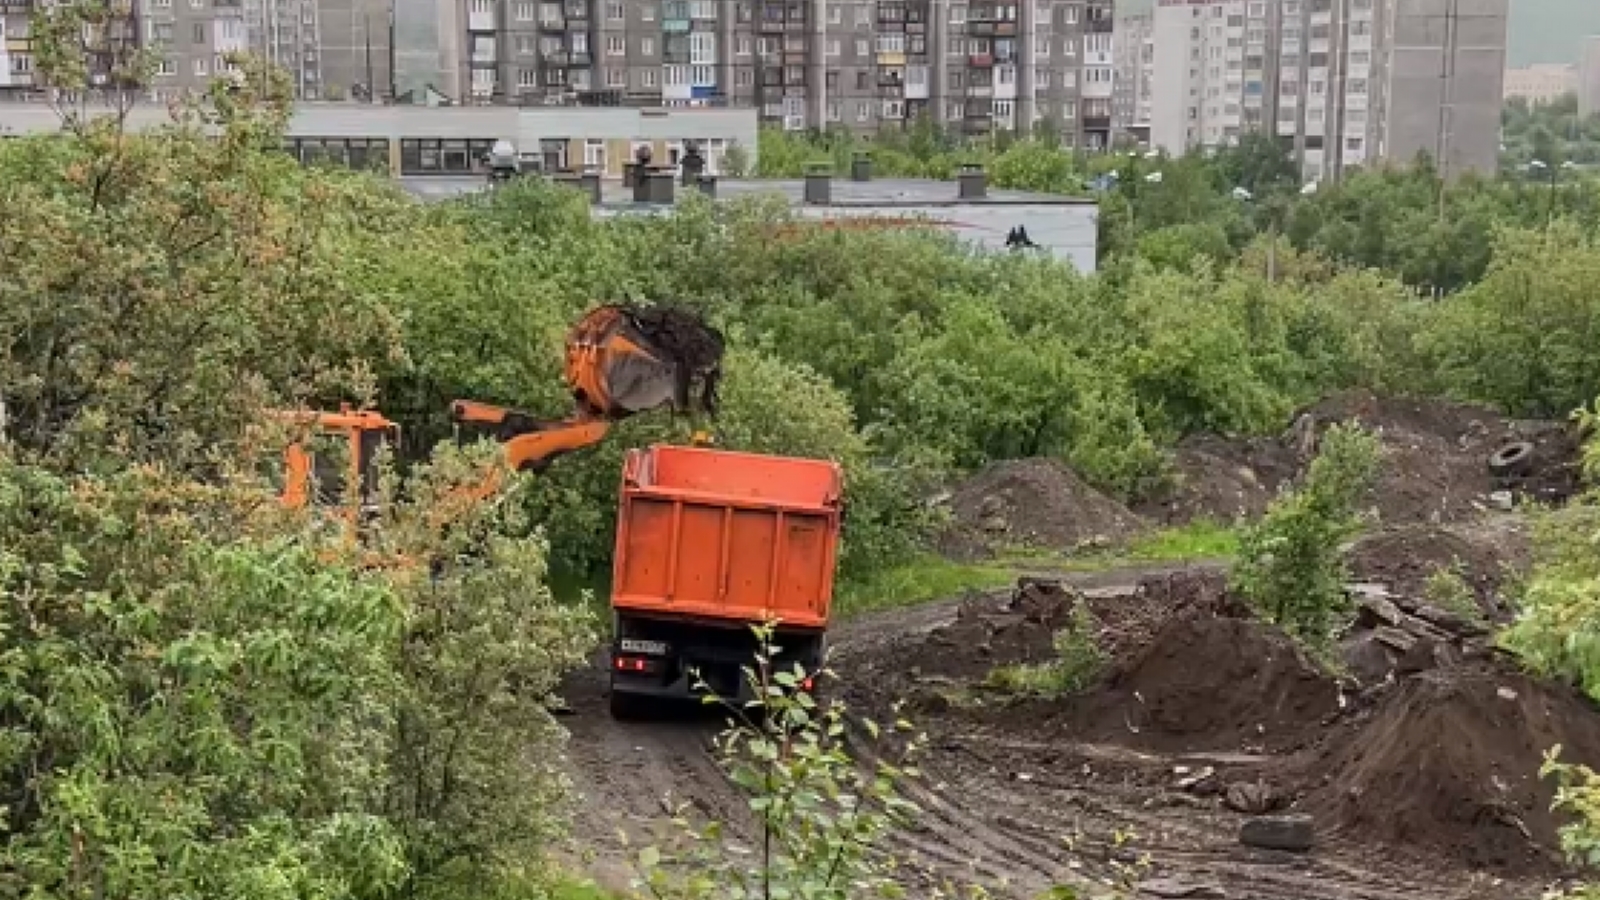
point(620, 360)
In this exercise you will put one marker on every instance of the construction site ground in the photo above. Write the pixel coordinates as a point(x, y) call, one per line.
point(1417, 767)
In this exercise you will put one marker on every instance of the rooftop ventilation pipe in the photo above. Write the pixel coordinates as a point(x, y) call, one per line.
point(819, 184)
point(971, 182)
point(861, 166)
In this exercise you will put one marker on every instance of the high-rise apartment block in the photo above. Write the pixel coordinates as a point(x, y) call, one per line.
point(970, 65)
point(1340, 82)
point(1135, 70)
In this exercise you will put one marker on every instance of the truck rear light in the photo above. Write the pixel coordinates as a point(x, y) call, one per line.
point(635, 664)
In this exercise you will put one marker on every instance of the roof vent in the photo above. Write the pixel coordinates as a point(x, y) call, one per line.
point(861, 166)
point(819, 184)
point(971, 182)
point(654, 185)
point(692, 164)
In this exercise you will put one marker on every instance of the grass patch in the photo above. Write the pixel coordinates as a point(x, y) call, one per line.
point(571, 890)
point(920, 581)
point(930, 577)
point(1079, 661)
point(1197, 540)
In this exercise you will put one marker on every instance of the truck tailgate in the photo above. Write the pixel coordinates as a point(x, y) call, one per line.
point(723, 535)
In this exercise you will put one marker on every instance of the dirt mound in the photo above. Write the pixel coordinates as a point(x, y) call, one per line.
point(1222, 479)
point(1032, 503)
point(1449, 761)
point(1435, 469)
point(1403, 559)
point(1214, 683)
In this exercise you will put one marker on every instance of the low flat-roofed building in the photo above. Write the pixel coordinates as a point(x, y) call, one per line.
point(421, 141)
point(1058, 226)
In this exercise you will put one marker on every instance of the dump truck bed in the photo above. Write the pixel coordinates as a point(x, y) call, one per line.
point(719, 535)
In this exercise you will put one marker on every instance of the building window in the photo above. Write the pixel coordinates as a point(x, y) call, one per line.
point(647, 12)
point(863, 48)
point(833, 110)
point(958, 15)
point(616, 12)
point(744, 45)
point(833, 44)
point(614, 46)
point(1004, 108)
point(615, 78)
point(594, 153)
point(1356, 86)
point(894, 109)
point(647, 46)
point(650, 78)
point(525, 10)
point(892, 42)
point(200, 66)
point(742, 78)
point(863, 112)
point(835, 14)
point(527, 78)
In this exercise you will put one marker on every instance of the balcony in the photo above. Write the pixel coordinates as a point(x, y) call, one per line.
point(675, 26)
point(794, 25)
point(770, 26)
point(558, 58)
point(580, 59)
point(980, 29)
point(578, 12)
point(1005, 28)
point(980, 60)
point(1099, 26)
point(552, 25)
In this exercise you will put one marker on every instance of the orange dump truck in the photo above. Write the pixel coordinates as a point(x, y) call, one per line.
point(710, 542)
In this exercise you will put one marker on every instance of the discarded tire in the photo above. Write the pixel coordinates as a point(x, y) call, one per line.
point(1512, 459)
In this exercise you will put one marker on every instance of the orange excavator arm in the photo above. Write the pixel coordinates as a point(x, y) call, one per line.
point(620, 360)
point(529, 444)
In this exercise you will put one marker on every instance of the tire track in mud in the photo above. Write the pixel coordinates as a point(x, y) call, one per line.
point(981, 823)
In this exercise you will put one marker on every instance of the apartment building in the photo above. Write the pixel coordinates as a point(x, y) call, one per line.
point(1541, 82)
point(863, 64)
point(1340, 82)
point(1135, 70)
point(1441, 81)
point(972, 65)
point(1589, 77)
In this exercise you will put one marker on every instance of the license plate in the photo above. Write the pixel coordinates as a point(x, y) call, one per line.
point(651, 648)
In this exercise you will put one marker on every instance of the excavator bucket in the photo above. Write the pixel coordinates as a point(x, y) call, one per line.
point(623, 360)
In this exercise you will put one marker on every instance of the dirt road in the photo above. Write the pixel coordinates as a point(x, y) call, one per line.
point(1013, 814)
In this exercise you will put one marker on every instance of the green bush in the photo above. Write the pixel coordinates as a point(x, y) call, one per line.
point(1289, 564)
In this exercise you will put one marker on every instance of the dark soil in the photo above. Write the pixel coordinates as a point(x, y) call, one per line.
point(1449, 761)
point(1435, 468)
point(1440, 763)
point(1226, 480)
point(693, 346)
point(1032, 504)
point(1207, 683)
point(1404, 558)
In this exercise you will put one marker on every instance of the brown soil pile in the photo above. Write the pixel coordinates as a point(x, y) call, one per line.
point(1435, 468)
point(1449, 761)
point(1222, 479)
point(1032, 503)
point(1213, 684)
point(1403, 559)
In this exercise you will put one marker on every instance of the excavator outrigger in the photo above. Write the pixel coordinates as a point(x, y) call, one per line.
point(620, 360)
